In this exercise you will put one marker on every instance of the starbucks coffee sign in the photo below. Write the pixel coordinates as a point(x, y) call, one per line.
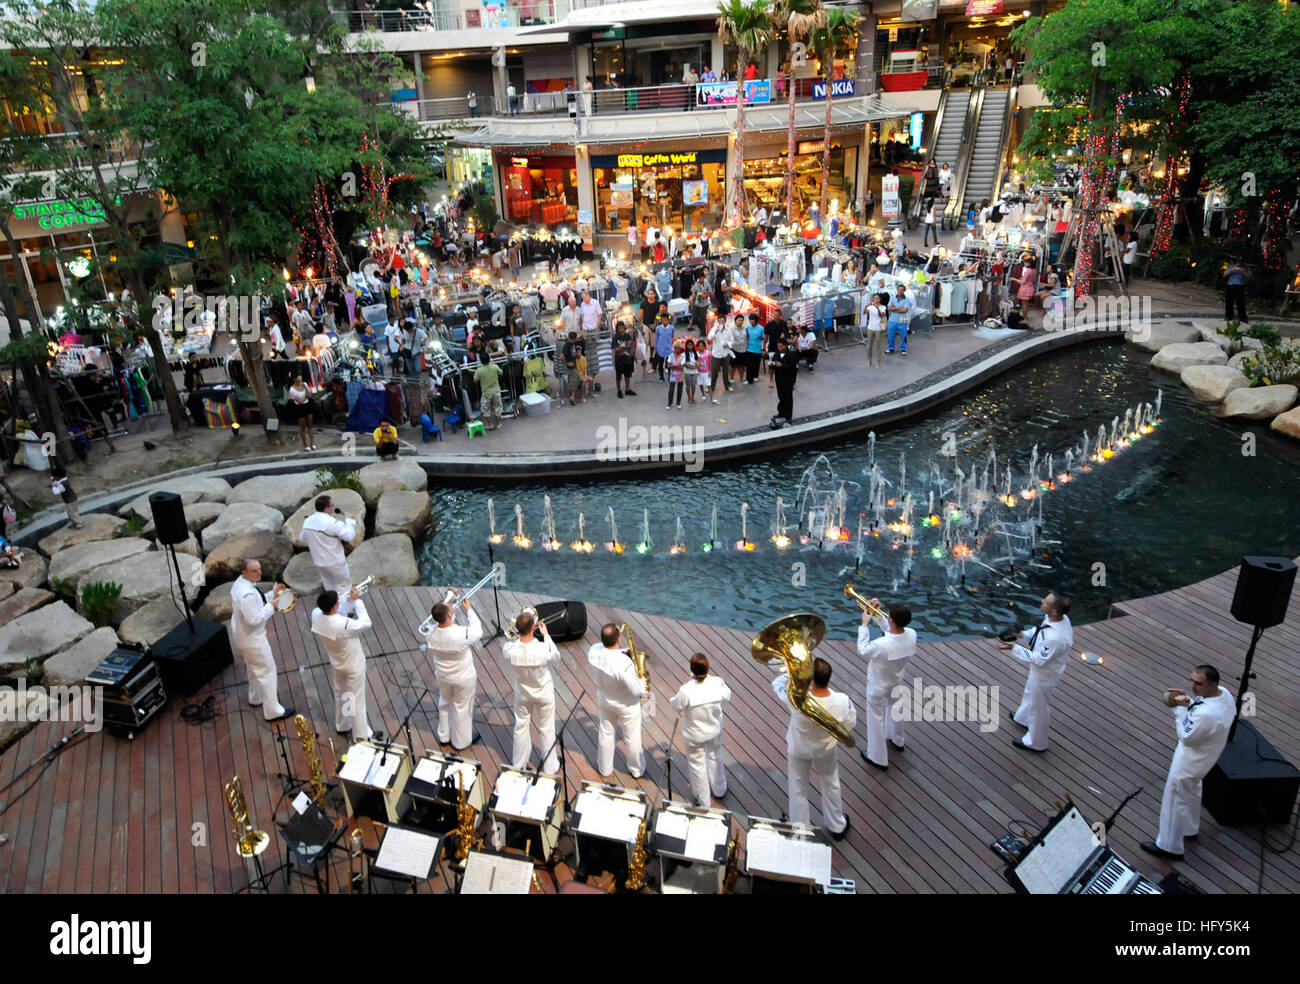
point(64, 214)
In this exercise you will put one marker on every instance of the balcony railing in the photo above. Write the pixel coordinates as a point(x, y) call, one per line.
point(446, 19)
point(115, 152)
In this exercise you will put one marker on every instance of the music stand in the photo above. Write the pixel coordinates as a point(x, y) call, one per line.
point(526, 808)
point(288, 780)
point(611, 815)
point(496, 873)
point(691, 843)
point(407, 854)
point(310, 836)
point(786, 857)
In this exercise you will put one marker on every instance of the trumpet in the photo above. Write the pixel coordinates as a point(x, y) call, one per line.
point(453, 595)
point(365, 585)
point(875, 611)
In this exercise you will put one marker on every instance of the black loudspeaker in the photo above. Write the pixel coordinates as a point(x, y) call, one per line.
point(1250, 776)
point(169, 517)
point(189, 660)
point(1263, 590)
point(565, 620)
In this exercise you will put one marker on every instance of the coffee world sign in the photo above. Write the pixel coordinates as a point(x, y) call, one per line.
point(64, 214)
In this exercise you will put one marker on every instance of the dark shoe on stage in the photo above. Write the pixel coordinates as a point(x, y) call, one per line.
point(376, 736)
point(473, 741)
point(841, 835)
point(1020, 744)
point(340, 733)
point(897, 747)
point(1151, 848)
point(1011, 716)
point(288, 713)
point(882, 768)
point(631, 392)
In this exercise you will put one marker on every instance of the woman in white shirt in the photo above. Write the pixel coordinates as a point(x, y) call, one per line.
point(302, 410)
point(874, 322)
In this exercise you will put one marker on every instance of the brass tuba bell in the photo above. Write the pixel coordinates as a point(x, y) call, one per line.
point(789, 642)
point(511, 632)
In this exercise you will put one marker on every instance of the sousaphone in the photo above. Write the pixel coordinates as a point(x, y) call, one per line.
point(789, 643)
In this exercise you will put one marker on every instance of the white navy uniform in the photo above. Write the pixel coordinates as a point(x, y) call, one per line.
point(808, 746)
point(700, 703)
point(530, 666)
point(1046, 649)
point(339, 635)
point(249, 613)
point(453, 666)
point(1202, 730)
point(325, 536)
point(618, 704)
point(886, 665)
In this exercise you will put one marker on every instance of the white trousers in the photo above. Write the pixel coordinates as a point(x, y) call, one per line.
point(528, 710)
point(338, 578)
point(1035, 711)
point(800, 782)
point(881, 727)
point(263, 681)
point(456, 709)
point(350, 694)
point(708, 770)
point(1180, 813)
point(627, 718)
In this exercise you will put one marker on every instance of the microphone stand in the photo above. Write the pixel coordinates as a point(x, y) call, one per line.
point(404, 726)
point(559, 740)
point(668, 756)
point(497, 633)
point(1111, 819)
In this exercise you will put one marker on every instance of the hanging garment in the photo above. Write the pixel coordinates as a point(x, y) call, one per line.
point(944, 305)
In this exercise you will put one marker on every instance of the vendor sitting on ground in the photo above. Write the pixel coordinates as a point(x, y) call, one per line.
point(386, 442)
point(807, 346)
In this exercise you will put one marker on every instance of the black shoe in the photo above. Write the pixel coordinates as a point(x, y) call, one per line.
point(376, 736)
point(785, 817)
point(897, 747)
point(340, 732)
point(1020, 744)
point(1011, 716)
point(1151, 848)
point(631, 392)
point(882, 768)
point(288, 713)
point(840, 836)
point(620, 394)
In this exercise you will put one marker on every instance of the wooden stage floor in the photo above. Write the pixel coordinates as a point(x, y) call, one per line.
point(110, 815)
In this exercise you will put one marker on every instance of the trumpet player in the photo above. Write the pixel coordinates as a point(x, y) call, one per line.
point(699, 701)
point(249, 613)
point(886, 663)
point(453, 667)
point(619, 692)
point(1046, 649)
point(339, 635)
point(325, 536)
point(531, 657)
point(808, 746)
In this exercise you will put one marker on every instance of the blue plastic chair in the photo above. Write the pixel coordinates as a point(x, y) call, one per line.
point(451, 420)
point(430, 428)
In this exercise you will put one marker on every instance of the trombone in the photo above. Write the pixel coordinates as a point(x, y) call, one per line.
point(453, 595)
point(866, 604)
point(512, 633)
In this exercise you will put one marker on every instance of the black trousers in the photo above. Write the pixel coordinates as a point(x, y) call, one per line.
point(785, 395)
point(752, 362)
point(1235, 295)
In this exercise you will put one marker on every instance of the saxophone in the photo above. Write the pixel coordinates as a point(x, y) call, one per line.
point(732, 871)
point(466, 816)
point(638, 659)
point(356, 877)
point(249, 839)
point(636, 870)
point(315, 770)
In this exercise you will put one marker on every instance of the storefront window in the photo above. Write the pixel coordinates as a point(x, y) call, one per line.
point(541, 190)
point(466, 165)
point(765, 177)
point(608, 60)
point(676, 189)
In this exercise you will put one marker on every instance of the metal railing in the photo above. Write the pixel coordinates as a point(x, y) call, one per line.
point(114, 151)
point(516, 15)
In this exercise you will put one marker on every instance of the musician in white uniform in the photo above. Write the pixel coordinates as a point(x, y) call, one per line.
point(619, 692)
point(809, 746)
point(340, 635)
point(1046, 649)
point(1202, 721)
point(531, 657)
point(249, 613)
point(886, 664)
point(699, 701)
point(325, 536)
point(453, 666)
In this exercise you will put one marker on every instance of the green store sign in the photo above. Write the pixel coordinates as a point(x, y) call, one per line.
point(64, 214)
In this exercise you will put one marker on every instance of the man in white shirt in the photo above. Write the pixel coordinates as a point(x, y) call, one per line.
point(619, 692)
point(531, 657)
point(886, 664)
point(453, 668)
point(320, 343)
point(324, 536)
point(699, 701)
point(1202, 721)
point(570, 317)
point(760, 217)
point(275, 339)
point(807, 344)
point(590, 309)
point(300, 321)
point(249, 613)
point(809, 746)
point(339, 634)
point(1047, 650)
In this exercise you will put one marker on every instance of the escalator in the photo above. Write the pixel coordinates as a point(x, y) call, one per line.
point(979, 171)
point(945, 139)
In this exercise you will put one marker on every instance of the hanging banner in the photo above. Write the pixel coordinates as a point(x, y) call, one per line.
point(890, 206)
point(983, 8)
point(695, 193)
point(919, 10)
point(724, 93)
point(840, 88)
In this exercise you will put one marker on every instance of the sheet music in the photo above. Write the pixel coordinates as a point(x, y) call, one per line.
point(300, 803)
point(407, 852)
point(491, 874)
point(770, 853)
point(670, 823)
point(703, 838)
point(465, 769)
point(609, 817)
point(519, 797)
point(429, 770)
point(1050, 866)
point(384, 769)
point(360, 758)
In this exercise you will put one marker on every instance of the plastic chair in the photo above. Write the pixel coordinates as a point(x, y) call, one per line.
point(475, 428)
point(430, 428)
point(451, 420)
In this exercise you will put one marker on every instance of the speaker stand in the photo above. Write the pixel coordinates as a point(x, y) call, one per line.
point(1246, 677)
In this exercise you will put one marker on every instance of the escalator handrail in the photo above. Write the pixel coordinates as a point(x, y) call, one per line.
point(914, 207)
point(1003, 136)
point(957, 194)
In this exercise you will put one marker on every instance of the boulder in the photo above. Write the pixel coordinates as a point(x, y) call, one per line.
point(302, 577)
point(1259, 402)
point(1178, 356)
point(240, 518)
point(390, 559)
point(345, 499)
point(98, 526)
point(1284, 423)
point(216, 606)
point(78, 661)
point(23, 601)
point(146, 577)
point(30, 575)
point(402, 512)
point(383, 476)
point(227, 561)
point(1212, 383)
point(1154, 337)
point(41, 634)
point(7, 588)
point(190, 546)
point(283, 492)
point(151, 622)
point(1234, 362)
point(191, 489)
point(198, 515)
point(69, 566)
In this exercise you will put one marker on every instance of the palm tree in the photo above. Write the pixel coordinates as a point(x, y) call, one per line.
point(799, 19)
point(841, 30)
point(747, 26)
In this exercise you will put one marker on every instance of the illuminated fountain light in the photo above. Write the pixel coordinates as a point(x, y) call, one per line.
point(744, 543)
point(645, 546)
point(612, 545)
point(520, 539)
point(679, 540)
point(582, 544)
point(493, 535)
point(548, 526)
point(779, 536)
point(707, 546)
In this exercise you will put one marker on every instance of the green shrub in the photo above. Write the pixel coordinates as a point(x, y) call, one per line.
point(1273, 363)
point(330, 478)
point(98, 600)
point(34, 672)
point(134, 525)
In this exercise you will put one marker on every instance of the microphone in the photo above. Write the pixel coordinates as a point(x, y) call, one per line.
point(338, 511)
